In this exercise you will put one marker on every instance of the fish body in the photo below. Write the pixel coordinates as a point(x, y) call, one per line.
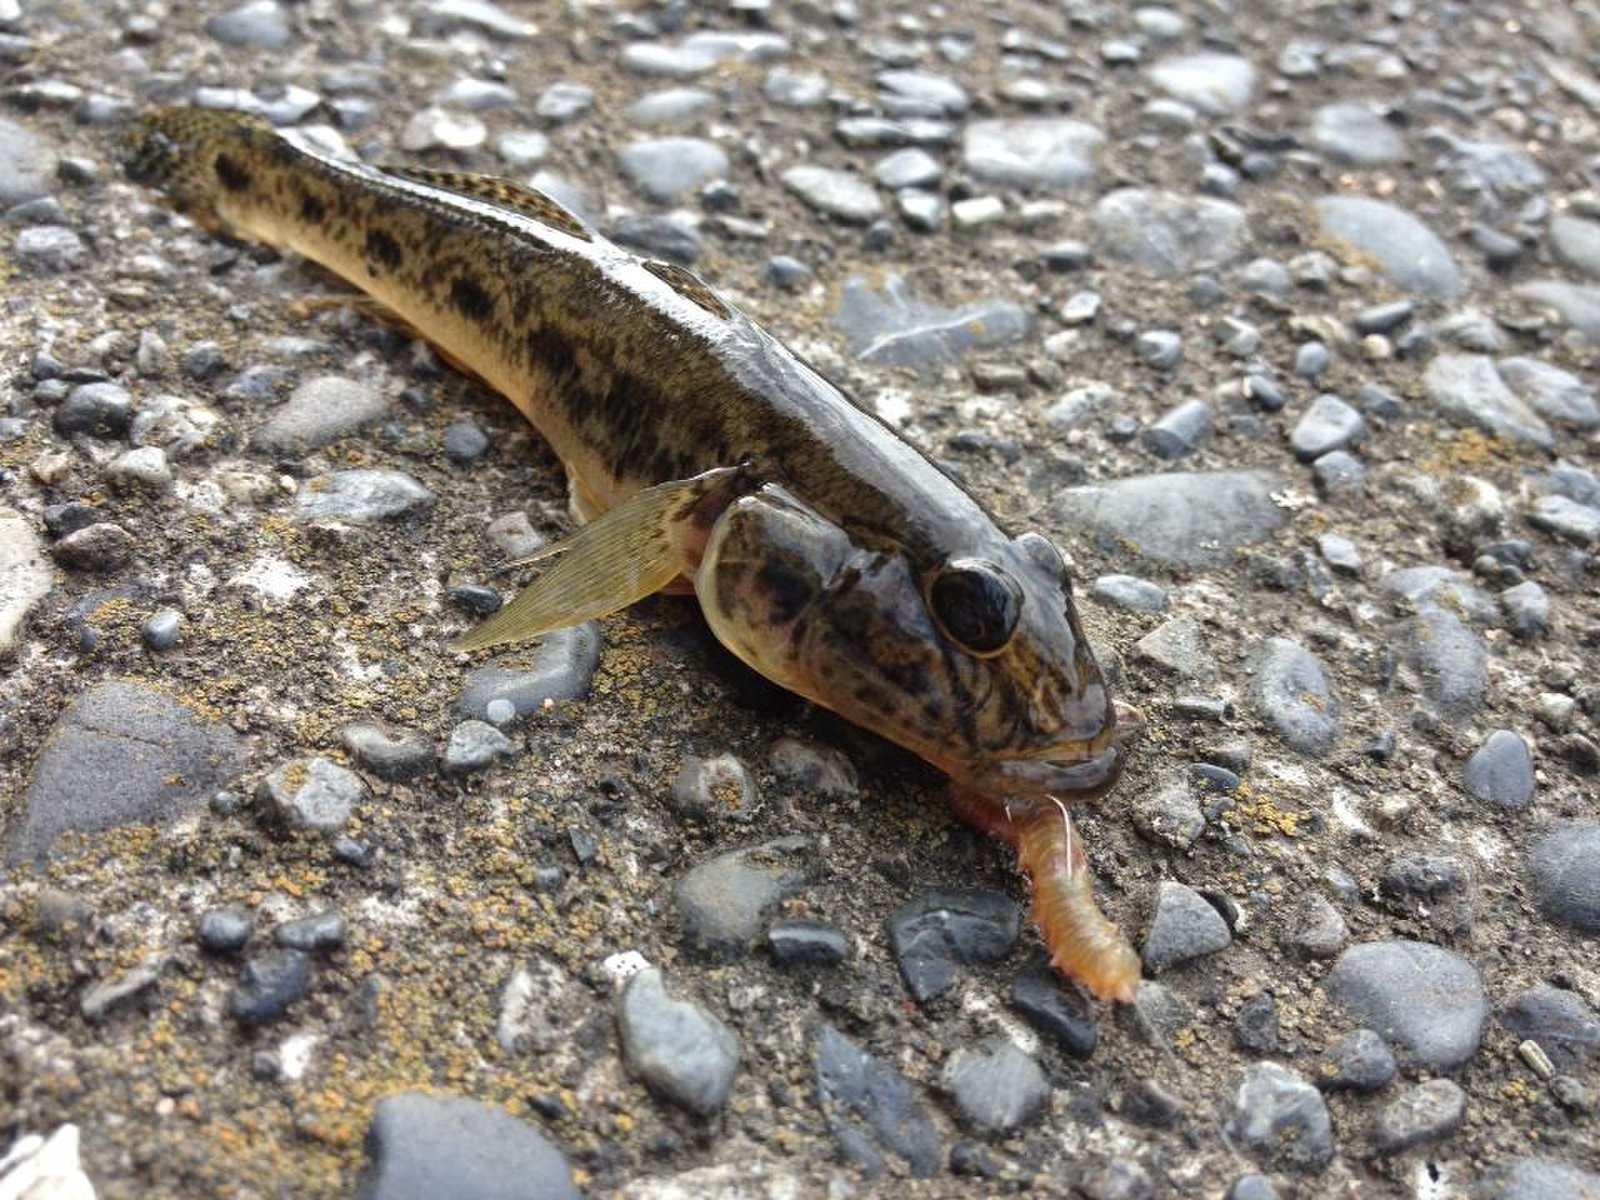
point(826, 552)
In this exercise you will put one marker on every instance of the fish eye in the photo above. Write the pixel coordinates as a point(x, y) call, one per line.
point(977, 604)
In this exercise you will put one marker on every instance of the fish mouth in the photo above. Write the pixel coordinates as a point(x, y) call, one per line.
point(1075, 771)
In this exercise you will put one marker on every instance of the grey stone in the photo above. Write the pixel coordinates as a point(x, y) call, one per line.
point(474, 746)
point(911, 167)
point(821, 771)
point(1450, 659)
point(1059, 1012)
point(464, 442)
point(796, 941)
point(1575, 242)
point(1411, 254)
point(27, 164)
point(25, 576)
point(440, 16)
point(103, 547)
point(1185, 927)
point(1566, 518)
point(714, 789)
point(141, 469)
point(321, 410)
point(1501, 771)
point(1360, 1061)
point(1291, 691)
point(361, 496)
point(439, 128)
point(1215, 84)
point(225, 930)
point(100, 998)
point(1178, 519)
point(1170, 815)
point(1565, 1027)
point(563, 101)
point(1421, 1114)
point(49, 249)
point(122, 754)
point(321, 931)
point(664, 168)
point(1356, 135)
point(1578, 304)
point(1130, 592)
point(1426, 1001)
point(1329, 424)
point(390, 755)
point(262, 24)
point(870, 1108)
point(1467, 390)
point(311, 793)
point(424, 1146)
point(892, 327)
point(997, 1088)
point(1558, 396)
point(268, 984)
point(937, 934)
point(1177, 646)
point(1535, 1177)
point(1311, 360)
point(675, 1047)
point(1340, 553)
point(1159, 348)
point(560, 667)
point(1437, 888)
point(792, 89)
point(1169, 234)
point(1035, 153)
point(673, 107)
point(1279, 1117)
point(724, 903)
point(476, 95)
point(101, 409)
point(1319, 929)
point(1564, 865)
point(841, 194)
point(1339, 473)
point(938, 94)
point(1527, 607)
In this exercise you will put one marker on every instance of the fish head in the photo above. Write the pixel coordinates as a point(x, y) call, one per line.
point(976, 662)
point(197, 157)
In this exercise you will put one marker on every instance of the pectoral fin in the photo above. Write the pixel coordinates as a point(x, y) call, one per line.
point(624, 555)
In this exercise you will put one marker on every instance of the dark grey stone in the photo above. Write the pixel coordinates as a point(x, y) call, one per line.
point(1467, 390)
point(420, 1147)
point(392, 755)
point(99, 409)
point(871, 1109)
point(560, 667)
point(659, 236)
point(997, 1088)
point(1179, 430)
point(724, 903)
point(1185, 927)
point(940, 932)
point(1424, 1000)
point(268, 984)
point(1424, 1113)
point(321, 931)
point(1130, 592)
point(1527, 607)
point(1501, 771)
point(1193, 519)
point(1054, 1008)
point(1329, 424)
point(1291, 691)
point(1436, 888)
point(225, 930)
point(122, 754)
point(1339, 473)
point(1169, 814)
point(1255, 1029)
point(1449, 657)
point(797, 942)
point(1564, 865)
point(465, 442)
point(1319, 930)
point(1279, 1117)
point(679, 1050)
point(1411, 254)
point(1563, 1025)
point(1360, 1061)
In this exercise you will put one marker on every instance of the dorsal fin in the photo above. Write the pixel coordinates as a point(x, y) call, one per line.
point(501, 192)
point(688, 285)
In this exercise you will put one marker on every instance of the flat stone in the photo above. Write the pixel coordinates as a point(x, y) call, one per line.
point(563, 101)
point(1037, 153)
point(49, 249)
point(1558, 396)
point(798, 942)
point(1329, 424)
point(1501, 771)
point(1170, 814)
point(361, 497)
point(262, 24)
point(892, 327)
point(664, 168)
point(997, 1088)
point(1566, 518)
point(1564, 865)
point(1177, 647)
point(1411, 254)
point(1356, 135)
point(1527, 608)
point(440, 16)
point(1421, 1114)
point(475, 746)
point(1167, 233)
point(1575, 242)
point(319, 932)
point(1424, 1000)
point(841, 194)
point(1319, 929)
point(27, 164)
point(268, 984)
point(1279, 1117)
point(724, 903)
point(390, 755)
point(1179, 430)
point(1291, 691)
point(1578, 304)
point(871, 1110)
point(100, 998)
point(1566, 1028)
point(423, 1146)
point(714, 789)
point(1185, 927)
point(1449, 658)
point(25, 576)
point(320, 411)
point(1214, 84)
point(311, 793)
point(1468, 390)
point(675, 1047)
point(1536, 1177)
point(122, 754)
point(560, 667)
point(1193, 519)
point(1055, 1009)
point(1130, 592)
point(1359, 1061)
point(673, 107)
point(912, 167)
point(937, 934)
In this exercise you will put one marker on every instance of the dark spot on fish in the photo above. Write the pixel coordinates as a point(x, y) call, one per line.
point(788, 588)
point(470, 300)
point(312, 208)
point(384, 250)
point(230, 174)
point(548, 349)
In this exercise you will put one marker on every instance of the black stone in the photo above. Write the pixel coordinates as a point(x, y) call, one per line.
point(1055, 1009)
point(942, 931)
point(871, 1109)
point(797, 942)
point(269, 984)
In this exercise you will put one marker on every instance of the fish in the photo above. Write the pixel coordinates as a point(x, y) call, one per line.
point(704, 457)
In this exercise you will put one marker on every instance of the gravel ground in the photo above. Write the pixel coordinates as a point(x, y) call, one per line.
point(1282, 319)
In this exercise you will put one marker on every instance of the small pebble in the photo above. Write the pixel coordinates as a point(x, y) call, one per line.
point(161, 630)
point(225, 930)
